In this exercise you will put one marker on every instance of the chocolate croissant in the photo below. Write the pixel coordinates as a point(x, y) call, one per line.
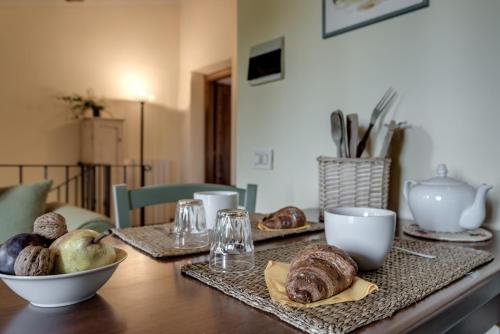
point(319, 272)
point(289, 217)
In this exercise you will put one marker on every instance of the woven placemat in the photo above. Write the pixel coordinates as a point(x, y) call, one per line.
point(476, 235)
point(157, 241)
point(403, 280)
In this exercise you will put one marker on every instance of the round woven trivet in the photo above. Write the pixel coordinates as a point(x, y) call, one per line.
point(477, 235)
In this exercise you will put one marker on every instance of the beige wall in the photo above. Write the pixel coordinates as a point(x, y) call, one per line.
point(47, 51)
point(207, 44)
point(116, 50)
point(443, 59)
point(207, 38)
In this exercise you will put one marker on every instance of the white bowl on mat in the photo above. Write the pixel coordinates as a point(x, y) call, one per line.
point(365, 233)
point(64, 289)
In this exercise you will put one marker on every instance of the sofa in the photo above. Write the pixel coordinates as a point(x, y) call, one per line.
point(80, 218)
point(20, 205)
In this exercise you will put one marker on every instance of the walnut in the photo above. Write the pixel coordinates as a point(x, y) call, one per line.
point(50, 226)
point(34, 261)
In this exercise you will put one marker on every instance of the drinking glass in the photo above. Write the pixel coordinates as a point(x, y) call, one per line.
point(231, 248)
point(190, 228)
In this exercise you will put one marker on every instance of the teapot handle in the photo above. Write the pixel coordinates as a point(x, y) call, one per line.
point(406, 188)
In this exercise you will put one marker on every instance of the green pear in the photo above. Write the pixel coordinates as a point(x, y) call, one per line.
point(81, 250)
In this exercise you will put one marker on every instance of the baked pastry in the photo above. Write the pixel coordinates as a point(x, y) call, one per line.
point(34, 261)
point(319, 272)
point(289, 217)
point(50, 226)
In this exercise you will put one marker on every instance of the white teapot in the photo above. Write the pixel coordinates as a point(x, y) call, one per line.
point(445, 204)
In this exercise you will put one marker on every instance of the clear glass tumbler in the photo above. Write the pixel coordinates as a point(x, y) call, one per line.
point(231, 248)
point(190, 228)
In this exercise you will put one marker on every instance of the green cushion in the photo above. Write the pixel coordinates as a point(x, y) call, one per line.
point(79, 218)
point(20, 206)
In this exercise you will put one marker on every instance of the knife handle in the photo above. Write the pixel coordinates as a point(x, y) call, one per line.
point(364, 141)
point(352, 134)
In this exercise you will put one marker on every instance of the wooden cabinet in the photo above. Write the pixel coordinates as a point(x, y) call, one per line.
point(102, 141)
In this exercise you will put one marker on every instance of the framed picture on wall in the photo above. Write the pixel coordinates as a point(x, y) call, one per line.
point(340, 16)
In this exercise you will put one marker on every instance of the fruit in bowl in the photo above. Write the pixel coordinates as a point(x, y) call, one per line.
point(63, 289)
point(11, 248)
point(81, 250)
point(52, 267)
point(34, 261)
point(50, 226)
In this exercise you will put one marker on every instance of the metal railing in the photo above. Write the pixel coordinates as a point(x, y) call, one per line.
point(84, 185)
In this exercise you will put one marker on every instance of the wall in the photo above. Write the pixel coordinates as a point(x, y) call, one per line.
point(207, 44)
point(115, 50)
point(444, 60)
point(118, 48)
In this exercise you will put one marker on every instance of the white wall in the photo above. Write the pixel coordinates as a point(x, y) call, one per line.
point(443, 59)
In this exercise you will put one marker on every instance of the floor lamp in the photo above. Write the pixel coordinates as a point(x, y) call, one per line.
point(143, 97)
point(141, 160)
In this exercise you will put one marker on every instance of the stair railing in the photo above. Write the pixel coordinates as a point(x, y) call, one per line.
point(84, 185)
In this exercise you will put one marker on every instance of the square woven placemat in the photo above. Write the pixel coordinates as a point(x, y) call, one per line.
point(157, 241)
point(403, 280)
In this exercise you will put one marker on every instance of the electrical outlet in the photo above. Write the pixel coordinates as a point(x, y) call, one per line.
point(263, 158)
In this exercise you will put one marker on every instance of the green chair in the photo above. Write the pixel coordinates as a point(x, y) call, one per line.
point(127, 200)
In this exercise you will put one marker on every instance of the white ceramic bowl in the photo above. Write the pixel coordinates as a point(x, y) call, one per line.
point(64, 289)
point(365, 233)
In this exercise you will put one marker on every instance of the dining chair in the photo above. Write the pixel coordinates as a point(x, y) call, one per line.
point(127, 200)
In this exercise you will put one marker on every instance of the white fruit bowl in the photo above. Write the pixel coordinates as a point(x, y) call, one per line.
point(64, 289)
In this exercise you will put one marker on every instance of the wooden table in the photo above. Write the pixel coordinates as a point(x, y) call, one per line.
point(149, 296)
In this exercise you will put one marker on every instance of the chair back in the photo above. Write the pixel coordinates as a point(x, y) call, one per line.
point(127, 200)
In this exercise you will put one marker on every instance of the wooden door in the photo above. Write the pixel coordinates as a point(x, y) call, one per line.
point(218, 129)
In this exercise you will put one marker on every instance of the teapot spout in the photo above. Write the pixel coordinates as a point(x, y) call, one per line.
point(473, 216)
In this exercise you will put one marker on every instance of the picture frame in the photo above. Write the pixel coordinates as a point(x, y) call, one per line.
point(341, 16)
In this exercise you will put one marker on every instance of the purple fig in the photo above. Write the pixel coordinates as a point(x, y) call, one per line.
point(11, 248)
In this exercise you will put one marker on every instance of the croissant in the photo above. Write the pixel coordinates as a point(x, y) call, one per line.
point(289, 217)
point(319, 272)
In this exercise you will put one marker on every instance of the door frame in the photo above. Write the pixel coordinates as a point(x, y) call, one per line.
point(210, 80)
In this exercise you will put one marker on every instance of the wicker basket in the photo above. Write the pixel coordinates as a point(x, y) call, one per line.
point(353, 182)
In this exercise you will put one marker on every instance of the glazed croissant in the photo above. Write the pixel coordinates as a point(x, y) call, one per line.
point(319, 272)
point(289, 217)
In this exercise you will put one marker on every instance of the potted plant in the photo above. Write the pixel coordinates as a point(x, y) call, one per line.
point(80, 104)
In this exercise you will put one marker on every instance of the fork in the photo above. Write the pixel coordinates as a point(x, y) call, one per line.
point(384, 104)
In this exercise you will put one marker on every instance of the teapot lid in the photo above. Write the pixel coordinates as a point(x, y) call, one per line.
point(442, 179)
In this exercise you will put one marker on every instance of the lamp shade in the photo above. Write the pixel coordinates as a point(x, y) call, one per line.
point(144, 96)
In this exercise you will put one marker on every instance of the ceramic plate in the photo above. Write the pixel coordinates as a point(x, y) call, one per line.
point(476, 235)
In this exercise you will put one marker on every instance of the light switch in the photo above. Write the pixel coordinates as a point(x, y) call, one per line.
point(263, 158)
